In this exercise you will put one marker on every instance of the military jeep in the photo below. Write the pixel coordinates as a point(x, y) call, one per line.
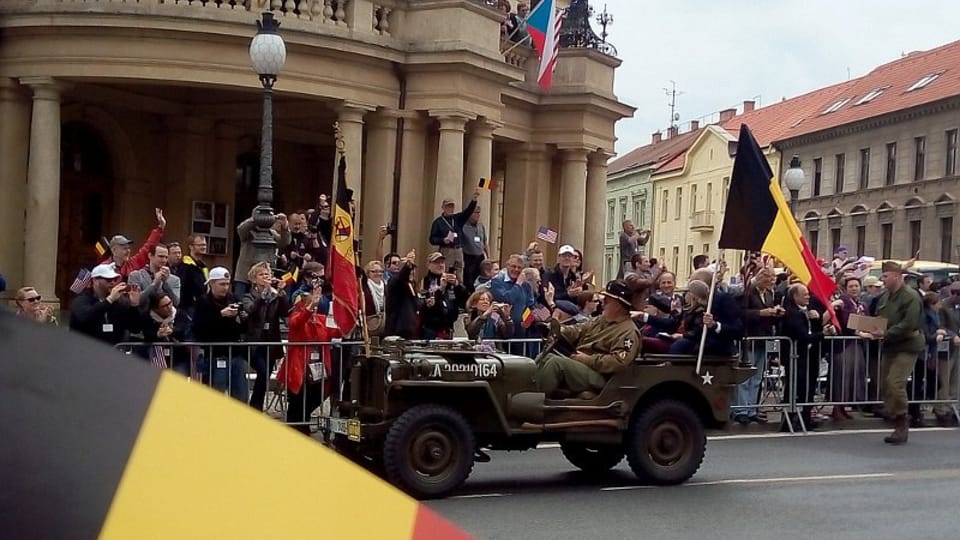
point(422, 414)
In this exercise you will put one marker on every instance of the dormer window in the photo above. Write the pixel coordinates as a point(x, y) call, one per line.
point(871, 95)
point(836, 106)
point(924, 81)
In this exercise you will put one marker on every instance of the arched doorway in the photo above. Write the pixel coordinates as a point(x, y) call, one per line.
point(86, 200)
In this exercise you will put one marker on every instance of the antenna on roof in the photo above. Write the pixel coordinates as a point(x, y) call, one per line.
point(848, 73)
point(672, 93)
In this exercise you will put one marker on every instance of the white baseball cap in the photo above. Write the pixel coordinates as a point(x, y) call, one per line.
point(105, 271)
point(218, 273)
point(566, 249)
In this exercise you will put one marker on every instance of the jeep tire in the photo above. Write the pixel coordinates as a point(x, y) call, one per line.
point(665, 443)
point(428, 451)
point(592, 458)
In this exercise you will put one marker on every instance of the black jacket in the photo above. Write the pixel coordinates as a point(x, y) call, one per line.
point(757, 324)
point(561, 282)
point(176, 355)
point(726, 312)
point(193, 282)
point(401, 317)
point(263, 318)
point(442, 226)
point(209, 326)
point(102, 320)
point(447, 301)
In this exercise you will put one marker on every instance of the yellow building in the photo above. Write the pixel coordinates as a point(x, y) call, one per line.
point(112, 108)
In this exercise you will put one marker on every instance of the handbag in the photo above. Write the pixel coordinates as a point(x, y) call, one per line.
point(375, 325)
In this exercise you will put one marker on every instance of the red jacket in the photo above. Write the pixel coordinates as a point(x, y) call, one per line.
point(142, 257)
point(305, 326)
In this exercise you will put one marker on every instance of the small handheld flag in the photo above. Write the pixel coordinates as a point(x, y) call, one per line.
point(101, 247)
point(81, 282)
point(486, 183)
point(547, 235)
point(290, 278)
point(528, 318)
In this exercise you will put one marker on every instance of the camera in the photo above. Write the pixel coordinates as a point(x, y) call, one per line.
point(391, 229)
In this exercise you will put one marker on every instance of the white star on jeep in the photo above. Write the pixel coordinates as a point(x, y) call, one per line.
point(707, 378)
point(628, 343)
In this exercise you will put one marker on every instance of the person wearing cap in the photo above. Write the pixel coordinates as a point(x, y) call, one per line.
point(441, 295)
point(563, 275)
point(902, 342)
point(872, 288)
point(120, 249)
point(599, 348)
point(446, 232)
point(219, 318)
point(108, 309)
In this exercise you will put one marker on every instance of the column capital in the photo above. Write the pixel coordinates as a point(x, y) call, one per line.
point(384, 118)
point(599, 158)
point(452, 119)
point(352, 111)
point(574, 153)
point(484, 127)
point(11, 90)
point(44, 87)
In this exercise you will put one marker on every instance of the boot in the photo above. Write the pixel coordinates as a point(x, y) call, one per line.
point(900, 429)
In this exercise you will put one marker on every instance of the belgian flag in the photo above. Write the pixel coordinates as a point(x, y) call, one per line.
point(121, 449)
point(757, 218)
point(343, 267)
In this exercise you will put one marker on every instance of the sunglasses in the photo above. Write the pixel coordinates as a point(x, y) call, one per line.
point(32, 300)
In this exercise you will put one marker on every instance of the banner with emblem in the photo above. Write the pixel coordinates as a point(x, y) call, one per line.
point(342, 268)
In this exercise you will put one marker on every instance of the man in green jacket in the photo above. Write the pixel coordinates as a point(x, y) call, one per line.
point(902, 342)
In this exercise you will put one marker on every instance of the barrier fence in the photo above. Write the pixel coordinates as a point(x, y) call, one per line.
point(792, 377)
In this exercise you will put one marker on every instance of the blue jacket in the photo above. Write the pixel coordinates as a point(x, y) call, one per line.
point(519, 297)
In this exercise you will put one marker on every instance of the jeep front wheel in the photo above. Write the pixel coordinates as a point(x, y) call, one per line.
point(666, 443)
point(596, 458)
point(428, 451)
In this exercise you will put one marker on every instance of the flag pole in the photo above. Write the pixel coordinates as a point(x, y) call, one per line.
point(516, 44)
point(703, 334)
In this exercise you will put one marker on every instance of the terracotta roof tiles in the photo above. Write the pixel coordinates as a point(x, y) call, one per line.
point(656, 155)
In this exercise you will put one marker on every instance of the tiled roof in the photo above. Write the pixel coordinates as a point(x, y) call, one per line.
point(656, 155)
point(884, 90)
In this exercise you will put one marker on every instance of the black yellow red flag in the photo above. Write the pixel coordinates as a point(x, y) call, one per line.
point(486, 183)
point(343, 262)
point(758, 218)
point(120, 449)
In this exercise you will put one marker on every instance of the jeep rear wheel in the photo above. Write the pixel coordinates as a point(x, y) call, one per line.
point(666, 443)
point(596, 458)
point(428, 451)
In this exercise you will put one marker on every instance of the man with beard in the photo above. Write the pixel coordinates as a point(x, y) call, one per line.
point(108, 309)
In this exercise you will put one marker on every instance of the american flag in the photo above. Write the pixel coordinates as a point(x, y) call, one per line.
point(543, 25)
point(158, 356)
point(547, 235)
point(81, 282)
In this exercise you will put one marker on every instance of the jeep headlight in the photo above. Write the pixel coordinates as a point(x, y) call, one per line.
point(388, 376)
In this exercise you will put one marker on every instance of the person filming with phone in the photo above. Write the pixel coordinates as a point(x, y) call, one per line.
point(441, 297)
point(219, 318)
point(107, 310)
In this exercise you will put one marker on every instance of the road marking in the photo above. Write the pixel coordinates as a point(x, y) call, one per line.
point(741, 436)
point(547, 445)
point(478, 496)
point(783, 480)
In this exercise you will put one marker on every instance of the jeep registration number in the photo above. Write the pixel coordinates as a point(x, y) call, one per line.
point(344, 426)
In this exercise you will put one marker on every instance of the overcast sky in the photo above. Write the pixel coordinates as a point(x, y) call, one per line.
point(721, 52)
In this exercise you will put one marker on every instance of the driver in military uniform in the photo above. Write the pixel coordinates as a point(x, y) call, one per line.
point(600, 347)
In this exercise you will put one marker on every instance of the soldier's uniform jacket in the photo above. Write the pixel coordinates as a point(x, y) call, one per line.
point(903, 312)
point(612, 345)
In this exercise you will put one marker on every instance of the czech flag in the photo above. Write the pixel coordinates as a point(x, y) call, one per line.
point(543, 25)
point(343, 260)
point(758, 218)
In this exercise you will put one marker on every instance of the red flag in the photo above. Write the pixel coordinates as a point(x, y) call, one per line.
point(342, 267)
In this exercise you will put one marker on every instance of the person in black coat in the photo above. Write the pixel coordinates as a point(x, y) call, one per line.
point(264, 306)
point(402, 303)
point(107, 311)
point(164, 324)
point(442, 296)
point(219, 318)
point(803, 325)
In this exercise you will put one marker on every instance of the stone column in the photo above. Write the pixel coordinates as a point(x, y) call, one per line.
point(522, 197)
point(573, 196)
point(594, 233)
point(378, 179)
point(14, 149)
point(411, 217)
point(450, 157)
point(479, 164)
point(42, 205)
point(191, 159)
point(496, 215)
point(350, 116)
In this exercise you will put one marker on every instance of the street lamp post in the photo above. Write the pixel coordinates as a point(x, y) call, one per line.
point(794, 179)
point(267, 55)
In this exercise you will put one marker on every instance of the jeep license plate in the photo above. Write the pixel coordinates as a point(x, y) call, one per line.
point(344, 426)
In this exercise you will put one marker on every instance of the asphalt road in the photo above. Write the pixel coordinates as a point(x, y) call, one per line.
point(833, 486)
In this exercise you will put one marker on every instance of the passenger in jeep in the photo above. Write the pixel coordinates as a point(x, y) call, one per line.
point(601, 347)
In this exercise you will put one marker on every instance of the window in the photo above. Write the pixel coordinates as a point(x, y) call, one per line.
point(690, 252)
point(706, 249)
point(611, 216)
point(636, 211)
point(709, 196)
point(814, 241)
point(836, 106)
point(679, 203)
point(834, 240)
point(664, 205)
point(886, 239)
point(951, 152)
point(861, 239)
point(663, 255)
point(946, 239)
point(676, 257)
point(693, 198)
point(623, 210)
point(840, 161)
point(924, 82)
point(817, 176)
point(871, 95)
point(642, 215)
point(726, 191)
point(919, 162)
point(864, 168)
point(915, 227)
point(891, 177)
